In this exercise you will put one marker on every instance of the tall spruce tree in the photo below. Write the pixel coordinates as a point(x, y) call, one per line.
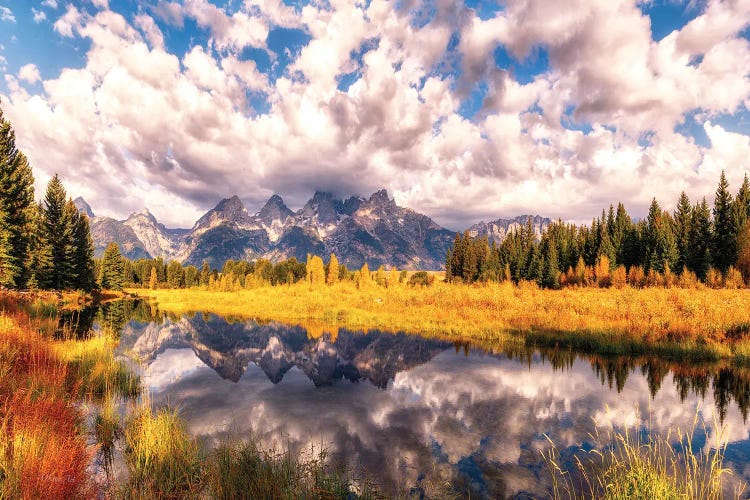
point(58, 228)
point(40, 253)
point(650, 235)
point(83, 253)
point(8, 269)
point(111, 275)
point(742, 204)
point(661, 247)
point(17, 203)
point(619, 231)
point(682, 221)
point(550, 273)
point(606, 247)
point(699, 240)
point(724, 251)
point(205, 274)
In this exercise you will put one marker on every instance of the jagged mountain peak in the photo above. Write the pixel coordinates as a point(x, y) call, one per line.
point(274, 209)
point(380, 197)
point(350, 205)
point(322, 209)
point(229, 209)
point(144, 213)
point(230, 204)
point(498, 230)
point(84, 207)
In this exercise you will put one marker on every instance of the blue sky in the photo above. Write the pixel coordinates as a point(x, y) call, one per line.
point(511, 104)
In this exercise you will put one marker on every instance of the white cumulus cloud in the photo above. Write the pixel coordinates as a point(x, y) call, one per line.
point(594, 126)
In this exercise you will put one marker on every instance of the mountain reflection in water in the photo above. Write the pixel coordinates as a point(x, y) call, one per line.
point(424, 413)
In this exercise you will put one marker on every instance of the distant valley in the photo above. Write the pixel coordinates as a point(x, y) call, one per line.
point(358, 230)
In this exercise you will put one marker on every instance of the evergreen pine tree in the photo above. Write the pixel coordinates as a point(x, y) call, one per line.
point(591, 243)
point(606, 247)
point(8, 268)
point(742, 203)
point(83, 260)
point(471, 260)
point(661, 246)
point(621, 226)
point(699, 240)
point(205, 274)
point(551, 273)
point(448, 260)
point(40, 253)
point(724, 251)
point(59, 234)
point(743, 251)
point(111, 276)
point(682, 222)
point(17, 205)
point(650, 236)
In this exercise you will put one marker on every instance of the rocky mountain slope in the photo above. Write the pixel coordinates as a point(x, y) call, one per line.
point(497, 230)
point(358, 230)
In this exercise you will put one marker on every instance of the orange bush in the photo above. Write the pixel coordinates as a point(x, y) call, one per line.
point(636, 277)
point(619, 277)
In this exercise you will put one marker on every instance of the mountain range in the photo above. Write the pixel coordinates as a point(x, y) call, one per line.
point(374, 230)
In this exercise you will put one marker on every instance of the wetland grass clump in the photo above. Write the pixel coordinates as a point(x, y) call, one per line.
point(107, 430)
point(243, 470)
point(637, 465)
point(162, 459)
point(94, 367)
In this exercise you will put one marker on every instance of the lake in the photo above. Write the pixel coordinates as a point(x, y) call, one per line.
point(416, 414)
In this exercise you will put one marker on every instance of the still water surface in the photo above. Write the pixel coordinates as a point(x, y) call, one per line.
point(413, 413)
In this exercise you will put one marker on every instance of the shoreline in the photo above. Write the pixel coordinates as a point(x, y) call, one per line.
point(666, 322)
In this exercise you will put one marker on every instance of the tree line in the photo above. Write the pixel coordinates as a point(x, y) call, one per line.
point(692, 244)
point(42, 245)
point(119, 272)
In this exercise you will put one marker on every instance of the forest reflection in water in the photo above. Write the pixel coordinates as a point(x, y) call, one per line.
point(413, 412)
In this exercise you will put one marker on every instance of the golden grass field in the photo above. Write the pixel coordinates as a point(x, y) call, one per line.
point(668, 321)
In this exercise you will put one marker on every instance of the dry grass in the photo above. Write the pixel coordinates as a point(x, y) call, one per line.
point(635, 465)
point(43, 450)
point(93, 368)
point(163, 460)
point(702, 323)
point(43, 438)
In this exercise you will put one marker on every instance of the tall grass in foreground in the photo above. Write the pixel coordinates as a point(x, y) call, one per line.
point(643, 466)
point(92, 364)
point(243, 470)
point(164, 461)
point(43, 449)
